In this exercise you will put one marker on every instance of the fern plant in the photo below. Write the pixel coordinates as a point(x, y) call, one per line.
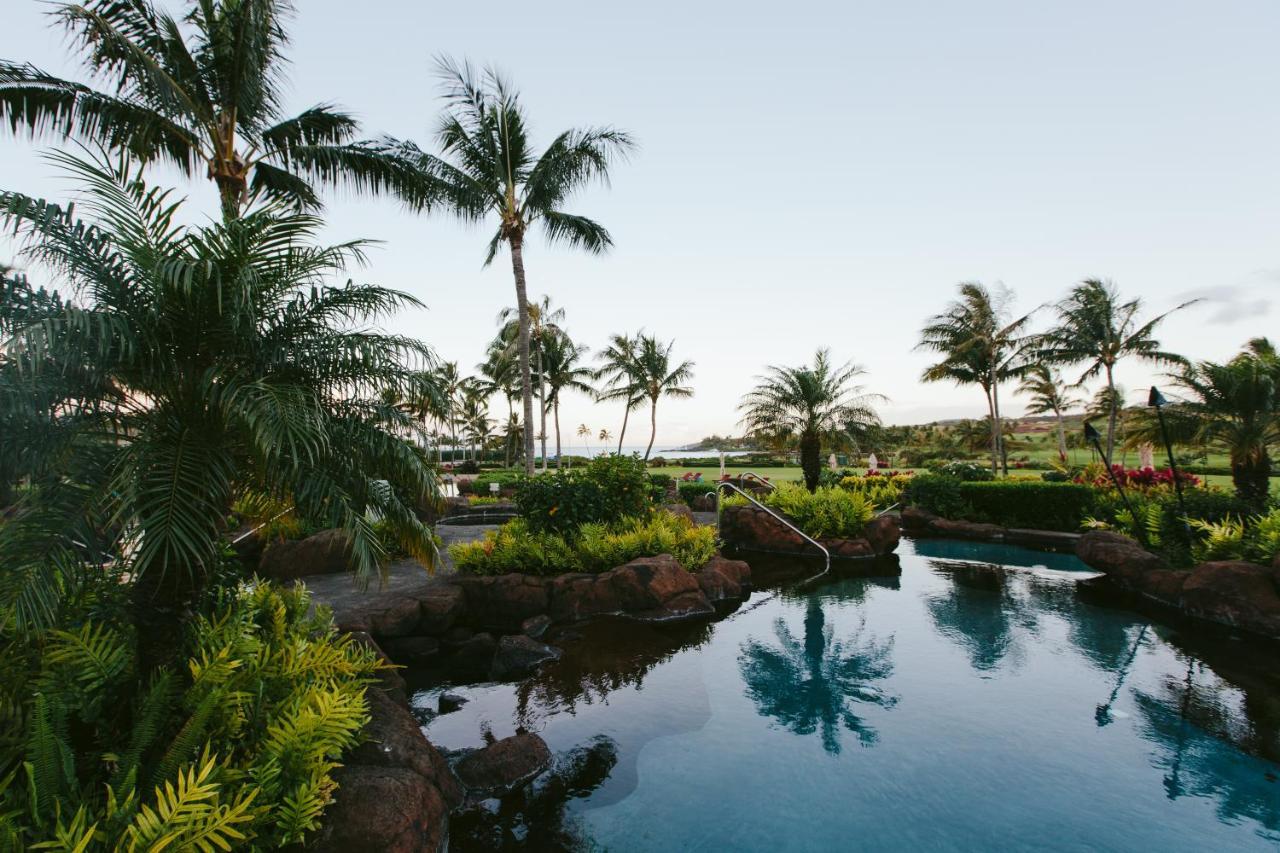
point(234, 750)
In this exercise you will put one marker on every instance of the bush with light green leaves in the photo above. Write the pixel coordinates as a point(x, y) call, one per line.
point(232, 748)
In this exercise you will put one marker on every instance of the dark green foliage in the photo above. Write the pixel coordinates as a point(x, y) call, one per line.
point(689, 492)
point(659, 484)
point(506, 480)
point(1009, 503)
point(609, 489)
point(249, 726)
point(937, 493)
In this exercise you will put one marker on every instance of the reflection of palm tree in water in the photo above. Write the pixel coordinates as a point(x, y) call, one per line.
point(977, 611)
point(811, 684)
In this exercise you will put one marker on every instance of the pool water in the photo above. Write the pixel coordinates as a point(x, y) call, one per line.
point(977, 701)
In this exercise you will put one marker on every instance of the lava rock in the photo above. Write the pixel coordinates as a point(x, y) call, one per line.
point(518, 656)
point(1238, 594)
point(411, 651)
point(1117, 556)
point(442, 607)
point(503, 602)
point(324, 553)
point(450, 702)
point(883, 534)
point(503, 766)
point(535, 626)
point(724, 580)
point(473, 658)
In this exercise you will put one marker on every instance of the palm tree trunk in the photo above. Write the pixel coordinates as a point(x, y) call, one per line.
point(542, 405)
point(653, 426)
point(506, 443)
point(230, 191)
point(625, 415)
point(995, 440)
point(810, 458)
point(526, 381)
point(555, 407)
point(1062, 437)
point(1111, 401)
point(997, 427)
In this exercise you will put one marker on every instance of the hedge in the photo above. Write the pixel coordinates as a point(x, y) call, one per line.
point(1009, 503)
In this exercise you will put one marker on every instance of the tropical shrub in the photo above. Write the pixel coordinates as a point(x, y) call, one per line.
point(938, 494)
point(883, 490)
point(507, 481)
point(1135, 478)
point(659, 485)
point(517, 547)
point(964, 470)
point(232, 746)
point(1009, 503)
point(608, 490)
point(690, 492)
point(824, 513)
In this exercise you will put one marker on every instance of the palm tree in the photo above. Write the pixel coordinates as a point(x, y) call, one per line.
point(544, 322)
point(606, 437)
point(584, 433)
point(488, 167)
point(980, 346)
point(209, 360)
point(204, 94)
point(810, 403)
point(1049, 395)
point(1095, 328)
point(501, 371)
point(450, 382)
point(659, 379)
point(564, 372)
point(621, 378)
point(1235, 405)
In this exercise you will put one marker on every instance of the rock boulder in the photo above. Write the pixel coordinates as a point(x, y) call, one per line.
point(504, 765)
point(1238, 594)
point(325, 553)
point(518, 655)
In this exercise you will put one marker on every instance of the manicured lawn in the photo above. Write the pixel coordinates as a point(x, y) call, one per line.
point(712, 472)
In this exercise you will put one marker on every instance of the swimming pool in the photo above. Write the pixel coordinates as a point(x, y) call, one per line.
point(975, 702)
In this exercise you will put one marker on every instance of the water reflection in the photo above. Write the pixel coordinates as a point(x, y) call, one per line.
point(538, 817)
point(1186, 719)
point(978, 610)
point(815, 683)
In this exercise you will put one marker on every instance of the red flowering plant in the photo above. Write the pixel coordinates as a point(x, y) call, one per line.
point(1135, 478)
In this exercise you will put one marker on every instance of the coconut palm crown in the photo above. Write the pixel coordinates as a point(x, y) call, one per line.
point(811, 403)
point(488, 168)
point(204, 93)
point(1096, 329)
point(981, 345)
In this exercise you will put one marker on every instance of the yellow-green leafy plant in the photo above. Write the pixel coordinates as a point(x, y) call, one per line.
point(881, 490)
point(1264, 537)
point(1218, 540)
point(233, 749)
point(824, 513)
point(597, 547)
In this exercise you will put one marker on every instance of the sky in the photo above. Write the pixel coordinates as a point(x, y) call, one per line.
point(816, 174)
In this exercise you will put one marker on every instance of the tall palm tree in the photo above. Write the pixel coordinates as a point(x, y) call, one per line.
point(544, 321)
point(473, 414)
point(606, 437)
point(980, 345)
point(209, 360)
point(202, 93)
point(659, 379)
point(810, 403)
point(584, 433)
point(449, 380)
point(501, 371)
point(1234, 405)
point(1049, 394)
point(489, 168)
point(621, 378)
point(1095, 328)
point(562, 364)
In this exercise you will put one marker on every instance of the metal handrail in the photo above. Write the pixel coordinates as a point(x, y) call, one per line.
point(763, 481)
point(783, 521)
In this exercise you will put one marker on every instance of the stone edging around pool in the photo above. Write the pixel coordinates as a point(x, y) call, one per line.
point(1231, 593)
point(750, 528)
point(919, 522)
point(396, 790)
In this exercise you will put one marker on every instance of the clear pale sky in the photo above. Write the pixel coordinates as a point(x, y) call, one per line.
point(820, 174)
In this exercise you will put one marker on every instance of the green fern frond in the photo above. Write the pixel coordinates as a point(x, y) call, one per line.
point(187, 814)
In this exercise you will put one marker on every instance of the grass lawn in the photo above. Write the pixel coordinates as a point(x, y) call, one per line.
point(712, 472)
